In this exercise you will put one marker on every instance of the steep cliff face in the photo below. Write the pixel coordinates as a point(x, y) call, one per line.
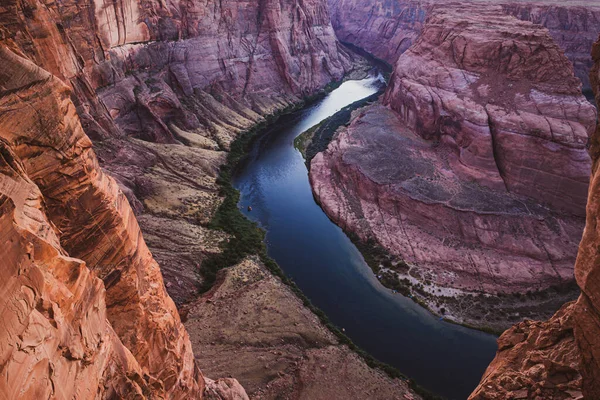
point(384, 28)
point(587, 314)
point(558, 358)
point(476, 172)
point(535, 360)
point(388, 28)
point(573, 26)
point(162, 88)
point(64, 231)
point(55, 337)
point(281, 348)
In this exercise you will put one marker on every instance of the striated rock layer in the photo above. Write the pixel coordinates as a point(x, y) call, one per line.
point(56, 341)
point(559, 358)
point(476, 172)
point(163, 88)
point(388, 28)
point(68, 224)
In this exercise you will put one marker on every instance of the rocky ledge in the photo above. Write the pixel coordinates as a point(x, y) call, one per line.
point(253, 327)
point(474, 173)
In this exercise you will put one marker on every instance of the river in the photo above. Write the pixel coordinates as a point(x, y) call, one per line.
point(445, 358)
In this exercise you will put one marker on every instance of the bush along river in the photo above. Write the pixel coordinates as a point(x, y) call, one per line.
point(316, 254)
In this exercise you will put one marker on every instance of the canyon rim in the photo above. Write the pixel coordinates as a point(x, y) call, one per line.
point(469, 182)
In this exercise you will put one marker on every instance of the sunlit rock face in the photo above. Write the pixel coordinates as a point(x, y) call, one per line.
point(474, 169)
point(558, 358)
point(90, 314)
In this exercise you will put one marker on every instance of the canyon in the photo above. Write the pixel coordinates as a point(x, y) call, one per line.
point(387, 29)
point(471, 172)
point(115, 121)
point(163, 89)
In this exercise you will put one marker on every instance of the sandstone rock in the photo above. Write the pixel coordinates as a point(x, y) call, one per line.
point(574, 26)
point(388, 28)
point(224, 389)
point(95, 224)
point(559, 356)
point(587, 316)
point(385, 29)
point(508, 107)
point(535, 359)
point(477, 172)
point(55, 340)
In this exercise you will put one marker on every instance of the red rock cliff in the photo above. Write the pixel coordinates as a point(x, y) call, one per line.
point(587, 268)
point(476, 173)
point(559, 358)
point(67, 224)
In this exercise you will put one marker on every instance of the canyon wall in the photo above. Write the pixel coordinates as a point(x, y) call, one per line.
point(163, 88)
point(388, 28)
point(558, 358)
point(384, 28)
point(473, 173)
point(90, 314)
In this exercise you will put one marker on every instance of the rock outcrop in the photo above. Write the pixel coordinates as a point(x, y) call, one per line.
point(388, 28)
point(281, 348)
point(559, 358)
point(587, 271)
point(476, 172)
point(535, 360)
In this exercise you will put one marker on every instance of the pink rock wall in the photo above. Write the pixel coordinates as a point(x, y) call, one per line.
point(388, 28)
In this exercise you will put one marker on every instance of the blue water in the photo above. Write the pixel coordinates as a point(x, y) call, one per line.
point(445, 358)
